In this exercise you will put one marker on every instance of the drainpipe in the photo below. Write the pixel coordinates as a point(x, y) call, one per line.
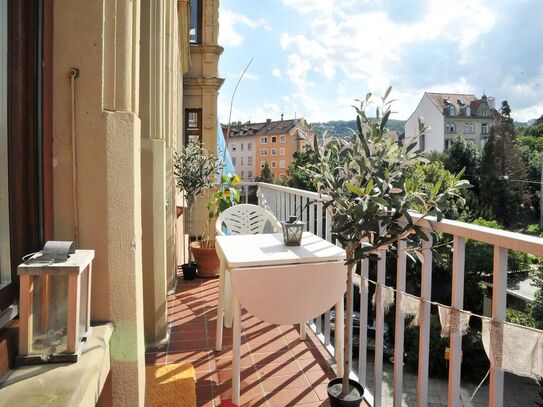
point(73, 74)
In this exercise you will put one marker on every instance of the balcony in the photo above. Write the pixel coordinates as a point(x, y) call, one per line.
point(279, 369)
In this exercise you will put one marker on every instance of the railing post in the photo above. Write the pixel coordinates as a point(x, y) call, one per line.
point(363, 334)
point(400, 324)
point(379, 329)
point(424, 319)
point(499, 298)
point(457, 301)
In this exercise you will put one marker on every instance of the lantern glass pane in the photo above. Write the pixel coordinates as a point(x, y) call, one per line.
point(83, 303)
point(50, 315)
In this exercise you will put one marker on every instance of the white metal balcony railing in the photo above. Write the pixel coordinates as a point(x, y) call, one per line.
point(284, 201)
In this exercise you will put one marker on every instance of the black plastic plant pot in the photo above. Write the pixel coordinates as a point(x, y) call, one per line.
point(352, 399)
point(189, 271)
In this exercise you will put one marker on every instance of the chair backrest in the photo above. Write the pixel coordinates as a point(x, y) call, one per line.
point(246, 219)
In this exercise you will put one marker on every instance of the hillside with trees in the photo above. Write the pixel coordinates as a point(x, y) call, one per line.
point(342, 128)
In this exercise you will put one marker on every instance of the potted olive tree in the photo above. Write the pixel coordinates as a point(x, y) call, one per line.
point(195, 171)
point(369, 204)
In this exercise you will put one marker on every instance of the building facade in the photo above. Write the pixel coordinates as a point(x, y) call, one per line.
point(447, 115)
point(252, 145)
point(95, 97)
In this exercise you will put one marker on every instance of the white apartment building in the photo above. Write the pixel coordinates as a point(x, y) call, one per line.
point(447, 115)
point(242, 147)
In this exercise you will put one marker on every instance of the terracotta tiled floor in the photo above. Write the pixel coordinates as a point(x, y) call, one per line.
point(277, 368)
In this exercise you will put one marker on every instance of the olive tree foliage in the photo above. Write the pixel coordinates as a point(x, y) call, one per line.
point(196, 170)
point(370, 198)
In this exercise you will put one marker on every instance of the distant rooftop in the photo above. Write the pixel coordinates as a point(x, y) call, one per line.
point(478, 107)
point(263, 128)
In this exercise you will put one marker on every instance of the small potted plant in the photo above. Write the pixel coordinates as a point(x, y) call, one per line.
point(204, 250)
point(369, 205)
point(195, 171)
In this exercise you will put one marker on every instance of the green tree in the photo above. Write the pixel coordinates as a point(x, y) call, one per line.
point(266, 175)
point(503, 173)
point(298, 176)
point(463, 155)
point(537, 305)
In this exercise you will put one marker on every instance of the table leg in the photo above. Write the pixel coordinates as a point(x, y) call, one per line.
point(236, 359)
point(338, 333)
point(228, 303)
point(220, 307)
point(302, 331)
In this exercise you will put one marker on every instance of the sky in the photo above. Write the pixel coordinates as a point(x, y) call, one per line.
point(314, 58)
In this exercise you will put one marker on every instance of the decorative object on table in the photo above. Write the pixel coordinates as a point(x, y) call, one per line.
point(365, 177)
point(195, 171)
point(55, 288)
point(204, 250)
point(293, 230)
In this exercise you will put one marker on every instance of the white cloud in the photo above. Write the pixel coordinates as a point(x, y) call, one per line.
point(276, 72)
point(228, 20)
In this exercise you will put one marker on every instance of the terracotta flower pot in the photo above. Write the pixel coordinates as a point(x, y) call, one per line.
point(206, 259)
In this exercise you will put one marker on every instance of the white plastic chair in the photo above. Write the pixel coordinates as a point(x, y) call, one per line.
point(243, 219)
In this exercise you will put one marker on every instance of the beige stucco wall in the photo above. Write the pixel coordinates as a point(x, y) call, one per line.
point(105, 49)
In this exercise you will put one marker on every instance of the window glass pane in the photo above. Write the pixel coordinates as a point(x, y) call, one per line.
point(194, 21)
point(193, 120)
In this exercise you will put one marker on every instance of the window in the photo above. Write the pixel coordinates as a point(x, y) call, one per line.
point(242, 174)
point(274, 151)
point(484, 140)
point(263, 152)
point(282, 139)
point(274, 164)
point(282, 164)
point(484, 128)
point(193, 125)
point(234, 161)
point(249, 160)
point(233, 146)
point(241, 159)
point(195, 33)
point(450, 128)
point(274, 139)
point(263, 140)
point(5, 266)
point(451, 110)
point(468, 111)
point(249, 174)
point(422, 142)
point(469, 128)
point(241, 147)
point(282, 151)
point(249, 146)
point(448, 143)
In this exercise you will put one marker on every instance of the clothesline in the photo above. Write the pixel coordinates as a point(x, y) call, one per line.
point(483, 317)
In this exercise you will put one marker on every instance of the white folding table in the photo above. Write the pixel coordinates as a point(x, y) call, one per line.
point(278, 284)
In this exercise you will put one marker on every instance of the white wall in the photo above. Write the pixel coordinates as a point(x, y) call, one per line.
point(433, 118)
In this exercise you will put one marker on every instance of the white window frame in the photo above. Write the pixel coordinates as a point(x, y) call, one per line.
point(263, 140)
point(450, 128)
point(249, 174)
point(263, 152)
point(241, 161)
point(282, 138)
point(234, 161)
point(249, 146)
point(274, 164)
point(282, 164)
point(5, 258)
point(249, 160)
point(282, 151)
point(241, 147)
point(485, 128)
point(273, 151)
point(469, 128)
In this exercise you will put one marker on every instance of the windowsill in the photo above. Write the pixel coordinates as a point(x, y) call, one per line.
point(62, 384)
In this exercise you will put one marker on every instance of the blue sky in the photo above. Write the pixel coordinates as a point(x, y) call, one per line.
point(312, 58)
